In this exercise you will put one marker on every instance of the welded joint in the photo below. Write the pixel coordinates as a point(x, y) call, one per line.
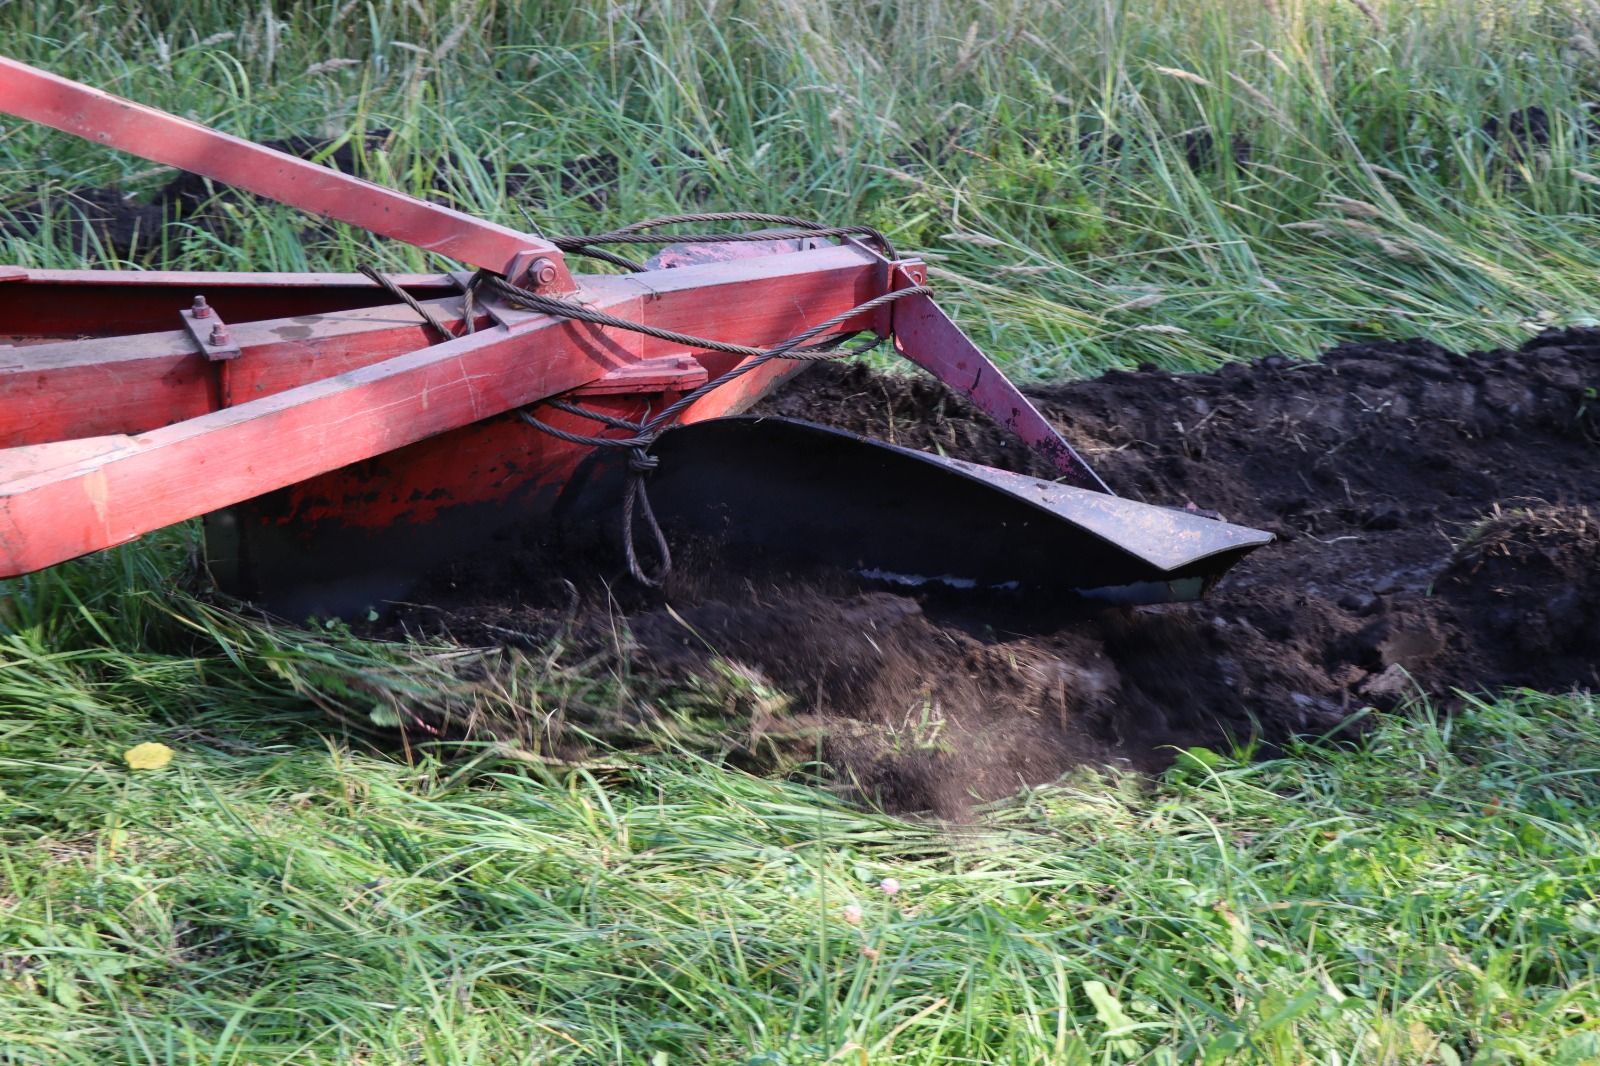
point(900, 274)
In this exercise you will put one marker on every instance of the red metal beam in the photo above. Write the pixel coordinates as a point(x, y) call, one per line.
point(102, 118)
point(66, 389)
point(133, 384)
point(64, 497)
point(55, 505)
point(66, 304)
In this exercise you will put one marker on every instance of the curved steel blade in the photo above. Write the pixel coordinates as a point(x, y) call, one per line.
point(773, 489)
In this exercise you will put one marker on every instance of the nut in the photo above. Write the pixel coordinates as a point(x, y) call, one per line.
point(200, 308)
point(542, 271)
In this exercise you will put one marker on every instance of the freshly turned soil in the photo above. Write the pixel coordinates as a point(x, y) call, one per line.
point(1435, 535)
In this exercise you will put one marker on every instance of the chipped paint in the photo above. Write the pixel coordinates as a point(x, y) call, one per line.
point(98, 491)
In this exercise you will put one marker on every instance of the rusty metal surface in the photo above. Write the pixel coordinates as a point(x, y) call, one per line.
point(209, 332)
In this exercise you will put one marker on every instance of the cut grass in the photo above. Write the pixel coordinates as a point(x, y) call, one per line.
point(1077, 176)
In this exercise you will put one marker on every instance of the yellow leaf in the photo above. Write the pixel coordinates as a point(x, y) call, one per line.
point(147, 756)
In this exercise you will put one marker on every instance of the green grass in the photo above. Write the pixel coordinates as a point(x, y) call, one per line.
point(1034, 151)
point(1428, 897)
point(281, 893)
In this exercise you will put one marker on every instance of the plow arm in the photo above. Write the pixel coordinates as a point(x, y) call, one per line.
point(338, 444)
point(926, 336)
point(148, 133)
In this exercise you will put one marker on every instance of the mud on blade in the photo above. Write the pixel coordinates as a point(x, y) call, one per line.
point(770, 490)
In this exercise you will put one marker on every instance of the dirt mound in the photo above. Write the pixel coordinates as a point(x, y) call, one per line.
point(1433, 535)
point(1529, 579)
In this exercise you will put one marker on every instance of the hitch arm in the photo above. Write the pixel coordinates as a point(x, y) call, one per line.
point(39, 96)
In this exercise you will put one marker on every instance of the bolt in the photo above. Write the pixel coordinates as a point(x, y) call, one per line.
point(219, 335)
point(542, 271)
point(200, 308)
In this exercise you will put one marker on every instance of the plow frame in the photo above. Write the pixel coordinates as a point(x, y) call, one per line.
point(234, 385)
point(345, 431)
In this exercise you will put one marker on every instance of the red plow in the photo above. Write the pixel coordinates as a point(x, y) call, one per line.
point(341, 434)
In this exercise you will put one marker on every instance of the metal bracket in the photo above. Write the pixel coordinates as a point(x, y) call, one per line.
point(209, 332)
point(500, 312)
point(667, 373)
point(902, 274)
point(895, 274)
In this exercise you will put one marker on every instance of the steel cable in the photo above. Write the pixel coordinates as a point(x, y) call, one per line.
point(636, 500)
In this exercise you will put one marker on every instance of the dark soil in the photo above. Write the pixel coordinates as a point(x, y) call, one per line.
point(1434, 536)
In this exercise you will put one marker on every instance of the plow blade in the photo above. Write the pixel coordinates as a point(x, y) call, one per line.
point(773, 491)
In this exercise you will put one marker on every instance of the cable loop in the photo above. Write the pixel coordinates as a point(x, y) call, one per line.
point(412, 302)
point(636, 497)
point(638, 233)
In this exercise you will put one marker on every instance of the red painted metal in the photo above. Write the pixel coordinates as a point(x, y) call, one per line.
point(926, 336)
point(102, 118)
point(315, 422)
point(40, 305)
point(314, 394)
point(132, 384)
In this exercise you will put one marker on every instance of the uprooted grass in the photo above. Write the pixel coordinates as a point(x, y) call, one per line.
point(1509, 532)
point(130, 619)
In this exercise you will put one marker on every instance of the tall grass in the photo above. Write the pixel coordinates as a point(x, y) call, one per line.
point(1096, 185)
